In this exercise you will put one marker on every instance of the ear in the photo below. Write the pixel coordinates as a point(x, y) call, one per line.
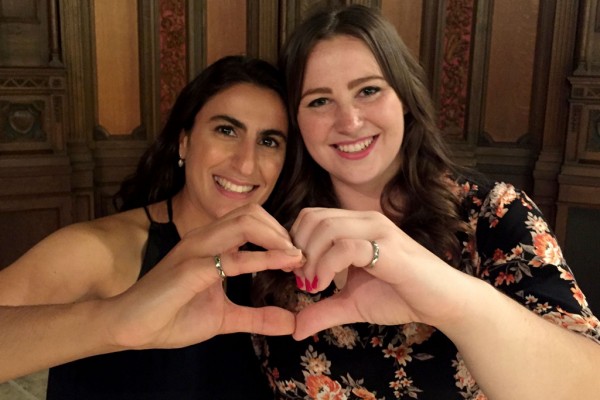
point(183, 144)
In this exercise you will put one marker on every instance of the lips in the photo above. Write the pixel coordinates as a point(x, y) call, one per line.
point(233, 187)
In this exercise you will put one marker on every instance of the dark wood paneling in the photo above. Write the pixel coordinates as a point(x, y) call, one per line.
point(582, 255)
point(26, 220)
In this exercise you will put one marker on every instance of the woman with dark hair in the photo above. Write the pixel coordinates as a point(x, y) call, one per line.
point(153, 280)
point(421, 281)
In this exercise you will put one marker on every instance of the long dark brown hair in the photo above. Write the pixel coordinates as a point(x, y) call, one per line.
point(430, 212)
point(157, 176)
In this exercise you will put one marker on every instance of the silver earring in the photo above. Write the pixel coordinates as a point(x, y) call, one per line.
point(180, 162)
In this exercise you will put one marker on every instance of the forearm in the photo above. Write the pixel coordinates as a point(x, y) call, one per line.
point(515, 354)
point(38, 337)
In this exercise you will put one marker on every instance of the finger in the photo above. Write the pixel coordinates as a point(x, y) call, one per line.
point(332, 242)
point(306, 220)
point(343, 254)
point(332, 311)
point(243, 262)
point(301, 215)
point(311, 216)
point(261, 214)
point(195, 275)
point(231, 234)
point(262, 320)
point(288, 260)
point(326, 227)
point(306, 278)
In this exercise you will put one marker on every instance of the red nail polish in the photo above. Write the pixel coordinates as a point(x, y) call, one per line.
point(299, 282)
point(307, 283)
point(315, 282)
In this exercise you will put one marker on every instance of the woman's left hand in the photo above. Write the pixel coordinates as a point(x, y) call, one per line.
point(408, 283)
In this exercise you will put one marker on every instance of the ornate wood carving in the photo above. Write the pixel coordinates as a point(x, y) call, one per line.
point(455, 66)
point(579, 179)
point(31, 110)
point(173, 54)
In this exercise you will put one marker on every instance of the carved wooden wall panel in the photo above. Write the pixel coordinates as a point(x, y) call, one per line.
point(162, 35)
point(226, 38)
point(24, 27)
point(35, 180)
point(406, 17)
point(26, 221)
point(49, 119)
point(32, 110)
point(579, 179)
point(173, 53)
point(510, 72)
point(116, 66)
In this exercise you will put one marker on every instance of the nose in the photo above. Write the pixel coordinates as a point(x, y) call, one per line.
point(348, 119)
point(244, 158)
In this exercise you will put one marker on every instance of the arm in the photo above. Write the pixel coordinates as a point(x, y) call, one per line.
point(37, 337)
point(512, 352)
point(43, 307)
point(179, 302)
point(521, 258)
point(171, 307)
point(515, 354)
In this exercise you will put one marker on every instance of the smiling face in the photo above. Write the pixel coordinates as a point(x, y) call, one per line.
point(350, 118)
point(235, 150)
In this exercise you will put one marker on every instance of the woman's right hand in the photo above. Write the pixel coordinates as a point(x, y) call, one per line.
point(181, 301)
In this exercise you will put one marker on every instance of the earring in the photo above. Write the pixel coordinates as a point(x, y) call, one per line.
point(180, 162)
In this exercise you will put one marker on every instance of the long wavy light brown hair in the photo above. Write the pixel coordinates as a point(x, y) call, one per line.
point(430, 210)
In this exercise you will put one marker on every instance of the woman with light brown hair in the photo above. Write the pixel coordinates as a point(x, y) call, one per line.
point(422, 280)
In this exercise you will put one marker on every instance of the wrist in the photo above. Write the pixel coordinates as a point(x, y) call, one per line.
point(475, 298)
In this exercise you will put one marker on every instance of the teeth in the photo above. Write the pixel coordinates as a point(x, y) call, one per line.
point(232, 187)
point(355, 147)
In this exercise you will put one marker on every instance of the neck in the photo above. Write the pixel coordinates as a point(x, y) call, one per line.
point(185, 216)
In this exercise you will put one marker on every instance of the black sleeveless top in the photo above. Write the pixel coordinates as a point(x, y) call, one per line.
point(223, 367)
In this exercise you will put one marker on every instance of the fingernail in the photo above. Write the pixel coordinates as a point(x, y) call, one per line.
point(299, 282)
point(314, 282)
point(307, 284)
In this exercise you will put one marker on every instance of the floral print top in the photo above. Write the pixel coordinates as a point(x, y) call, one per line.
point(513, 250)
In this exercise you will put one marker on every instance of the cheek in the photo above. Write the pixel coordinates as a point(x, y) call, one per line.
point(311, 127)
point(271, 169)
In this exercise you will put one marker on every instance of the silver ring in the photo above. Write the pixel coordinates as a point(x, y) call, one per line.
point(375, 255)
point(219, 267)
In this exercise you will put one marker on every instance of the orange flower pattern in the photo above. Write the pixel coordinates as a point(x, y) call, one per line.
point(513, 249)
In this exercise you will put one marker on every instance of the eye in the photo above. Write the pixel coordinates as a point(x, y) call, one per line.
point(225, 130)
point(269, 142)
point(369, 91)
point(321, 101)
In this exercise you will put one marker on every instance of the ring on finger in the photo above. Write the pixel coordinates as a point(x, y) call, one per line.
point(219, 267)
point(375, 255)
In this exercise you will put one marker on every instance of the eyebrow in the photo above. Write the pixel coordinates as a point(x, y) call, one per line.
point(233, 121)
point(239, 124)
point(351, 85)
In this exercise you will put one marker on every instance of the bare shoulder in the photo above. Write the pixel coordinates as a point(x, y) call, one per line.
point(91, 259)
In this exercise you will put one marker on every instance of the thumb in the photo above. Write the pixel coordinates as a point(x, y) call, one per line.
point(332, 311)
point(261, 320)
